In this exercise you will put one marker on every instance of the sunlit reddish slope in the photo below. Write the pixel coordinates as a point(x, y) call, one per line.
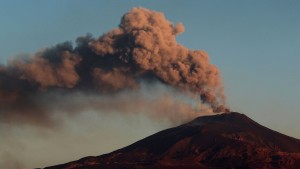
point(229, 140)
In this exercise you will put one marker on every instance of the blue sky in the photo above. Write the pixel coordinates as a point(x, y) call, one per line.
point(255, 44)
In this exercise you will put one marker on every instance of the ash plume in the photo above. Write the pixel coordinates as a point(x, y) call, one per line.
point(142, 49)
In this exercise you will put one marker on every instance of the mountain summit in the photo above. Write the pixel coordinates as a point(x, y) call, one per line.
point(229, 140)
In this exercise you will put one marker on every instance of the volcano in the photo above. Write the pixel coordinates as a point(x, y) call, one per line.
point(229, 140)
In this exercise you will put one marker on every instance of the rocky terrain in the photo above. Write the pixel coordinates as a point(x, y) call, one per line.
point(229, 140)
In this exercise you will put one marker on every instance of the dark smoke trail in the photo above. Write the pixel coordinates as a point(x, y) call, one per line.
point(142, 49)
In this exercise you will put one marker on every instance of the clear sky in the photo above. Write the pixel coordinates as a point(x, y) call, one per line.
point(255, 44)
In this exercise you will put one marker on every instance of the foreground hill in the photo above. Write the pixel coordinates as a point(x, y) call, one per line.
point(230, 140)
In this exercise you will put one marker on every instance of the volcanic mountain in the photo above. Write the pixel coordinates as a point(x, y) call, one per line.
point(229, 140)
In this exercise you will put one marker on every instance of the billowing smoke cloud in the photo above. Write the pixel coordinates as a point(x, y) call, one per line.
point(143, 49)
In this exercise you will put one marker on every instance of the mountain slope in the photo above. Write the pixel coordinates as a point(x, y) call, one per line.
point(230, 140)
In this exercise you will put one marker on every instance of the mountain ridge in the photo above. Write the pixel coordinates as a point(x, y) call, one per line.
point(228, 140)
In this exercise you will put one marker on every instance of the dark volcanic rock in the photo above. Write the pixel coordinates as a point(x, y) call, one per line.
point(230, 140)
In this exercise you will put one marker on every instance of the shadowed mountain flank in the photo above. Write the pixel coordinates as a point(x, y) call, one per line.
point(229, 140)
